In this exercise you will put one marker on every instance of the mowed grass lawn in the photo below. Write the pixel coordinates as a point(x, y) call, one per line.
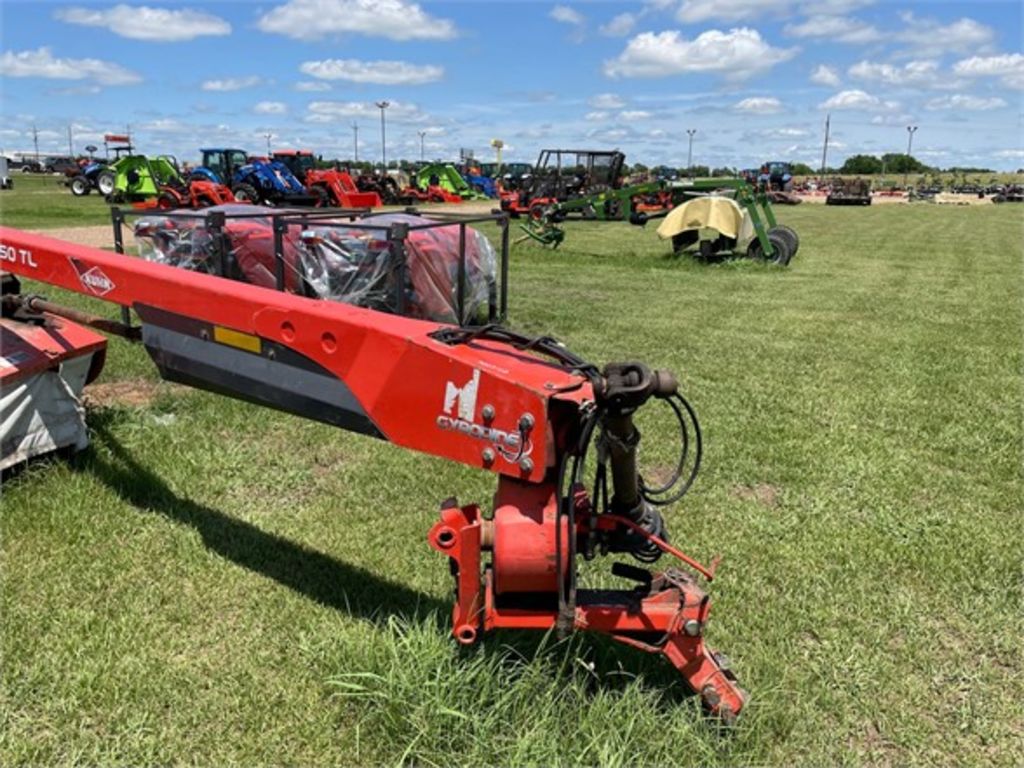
point(214, 583)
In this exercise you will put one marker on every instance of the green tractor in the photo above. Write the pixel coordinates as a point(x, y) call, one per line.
point(447, 178)
point(137, 177)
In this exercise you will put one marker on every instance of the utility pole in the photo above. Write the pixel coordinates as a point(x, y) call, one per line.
point(71, 144)
point(355, 141)
point(689, 155)
point(911, 130)
point(269, 137)
point(35, 142)
point(422, 134)
point(383, 105)
point(824, 149)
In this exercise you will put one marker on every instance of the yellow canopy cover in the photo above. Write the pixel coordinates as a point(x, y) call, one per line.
point(720, 213)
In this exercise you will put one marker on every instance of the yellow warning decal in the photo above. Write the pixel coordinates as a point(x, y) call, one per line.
point(237, 339)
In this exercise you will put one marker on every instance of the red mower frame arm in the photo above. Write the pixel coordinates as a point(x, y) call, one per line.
point(484, 404)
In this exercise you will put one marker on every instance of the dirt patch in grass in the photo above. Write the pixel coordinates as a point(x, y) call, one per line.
point(135, 393)
point(762, 493)
point(101, 236)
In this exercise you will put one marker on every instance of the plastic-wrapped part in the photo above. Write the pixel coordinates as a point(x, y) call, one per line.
point(355, 262)
point(244, 249)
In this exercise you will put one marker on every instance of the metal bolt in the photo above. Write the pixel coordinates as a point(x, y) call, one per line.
point(526, 465)
point(526, 422)
point(692, 628)
point(487, 412)
point(488, 455)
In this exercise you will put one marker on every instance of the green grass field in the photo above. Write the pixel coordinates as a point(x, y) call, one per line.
point(213, 583)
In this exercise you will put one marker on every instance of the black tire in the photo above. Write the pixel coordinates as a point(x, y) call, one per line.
point(105, 182)
point(246, 193)
point(780, 250)
point(683, 240)
point(80, 186)
point(166, 201)
point(706, 250)
point(322, 195)
point(790, 236)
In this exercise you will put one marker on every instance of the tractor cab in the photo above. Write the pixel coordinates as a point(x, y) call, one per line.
point(299, 161)
point(222, 163)
point(776, 176)
point(564, 174)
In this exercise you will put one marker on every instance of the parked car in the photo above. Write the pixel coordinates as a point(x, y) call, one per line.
point(59, 164)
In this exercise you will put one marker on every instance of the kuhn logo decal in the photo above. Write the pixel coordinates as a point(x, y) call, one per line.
point(460, 416)
point(93, 279)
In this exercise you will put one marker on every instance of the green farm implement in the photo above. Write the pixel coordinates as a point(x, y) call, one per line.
point(754, 230)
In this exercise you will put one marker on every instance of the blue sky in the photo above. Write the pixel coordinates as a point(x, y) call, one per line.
point(755, 78)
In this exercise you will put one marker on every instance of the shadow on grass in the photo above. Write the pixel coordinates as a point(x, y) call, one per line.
point(359, 592)
point(318, 576)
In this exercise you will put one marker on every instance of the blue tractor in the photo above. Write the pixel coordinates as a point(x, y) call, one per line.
point(479, 182)
point(256, 180)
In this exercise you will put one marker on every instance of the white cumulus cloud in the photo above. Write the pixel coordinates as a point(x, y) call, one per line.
point(231, 83)
point(606, 101)
point(620, 26)
point(825, 75)
point(1008, 66)
point(965, 102)
point(331, 111)
point(270, 108)
point(839, 29)
point(154, 25)
point(567, 15)
point(736, 54)
point(393, 19)
point(759, 105)
point(856, 99)
point(695, 11)
point(631, 115)
point(923, 73)
point(929, 37)
point(379, 72)
point(42, 63)
point(309, 86)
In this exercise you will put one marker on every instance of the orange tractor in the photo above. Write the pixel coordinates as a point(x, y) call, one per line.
point(335, 186)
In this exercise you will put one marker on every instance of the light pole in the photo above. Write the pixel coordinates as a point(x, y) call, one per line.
point(911, 130)
point(689, 155)
point(269, 137)
point(355, 141)
point(422, 134)
point(382, 105)
point(824, 148)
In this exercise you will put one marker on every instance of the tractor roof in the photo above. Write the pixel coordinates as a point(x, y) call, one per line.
point(221, 149)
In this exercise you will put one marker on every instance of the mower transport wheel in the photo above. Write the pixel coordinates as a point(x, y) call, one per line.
point(246, 193)
point(789, 235)
point(79, 186)
point(780, 250)
point(105, 182)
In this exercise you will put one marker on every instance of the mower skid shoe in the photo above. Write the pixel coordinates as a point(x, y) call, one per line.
point(706, 672)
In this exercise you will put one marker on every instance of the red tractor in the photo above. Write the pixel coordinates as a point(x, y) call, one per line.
point(192, 194)
point(334, 185)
